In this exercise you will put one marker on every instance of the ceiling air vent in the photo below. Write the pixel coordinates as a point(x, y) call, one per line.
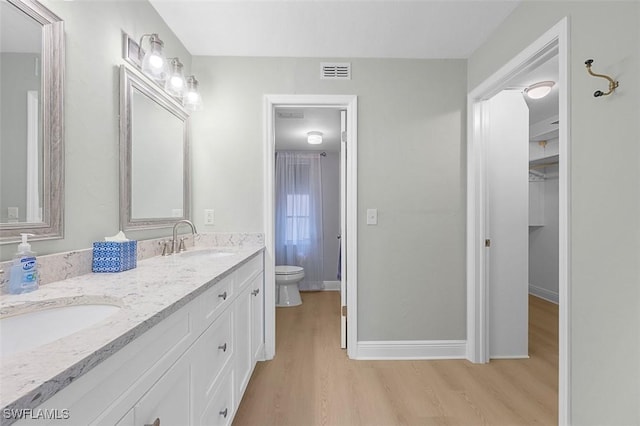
point(290, 114)
point(335, 71)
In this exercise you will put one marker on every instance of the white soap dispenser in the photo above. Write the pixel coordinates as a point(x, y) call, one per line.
point(23, 276)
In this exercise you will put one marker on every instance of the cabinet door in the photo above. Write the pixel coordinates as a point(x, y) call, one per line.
point(169, 398)
point(257, 319)
point(243, 356)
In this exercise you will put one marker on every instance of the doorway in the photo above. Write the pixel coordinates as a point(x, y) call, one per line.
point(348, 220)
point(480, 254)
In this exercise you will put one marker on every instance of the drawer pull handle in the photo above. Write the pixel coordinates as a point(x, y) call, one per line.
point(155, 423)
point(223, 296)
point(223, 348)
point(224, 413)
point(255, 292)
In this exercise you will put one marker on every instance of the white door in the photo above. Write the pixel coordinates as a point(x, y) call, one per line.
point(507, 227)
point(343, 229)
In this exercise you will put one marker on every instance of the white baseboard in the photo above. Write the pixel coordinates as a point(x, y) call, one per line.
point(412, 349)
point(543, 293)
point(331, 285)
point(509, 357)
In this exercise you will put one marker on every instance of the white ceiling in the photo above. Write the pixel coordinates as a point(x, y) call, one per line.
point(420, 29)
point(334, 28)
point(292, 125)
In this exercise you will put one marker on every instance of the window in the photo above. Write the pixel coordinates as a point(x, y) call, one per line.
point(297, 218)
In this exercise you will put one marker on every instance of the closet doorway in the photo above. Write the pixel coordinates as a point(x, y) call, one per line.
point(281, 112)
point(484, 255)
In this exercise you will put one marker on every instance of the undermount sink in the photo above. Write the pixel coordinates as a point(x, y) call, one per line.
point(207, 253)
point(26, 331)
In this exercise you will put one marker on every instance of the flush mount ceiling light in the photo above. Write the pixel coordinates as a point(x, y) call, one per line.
point(539, 90)
point(314, 138)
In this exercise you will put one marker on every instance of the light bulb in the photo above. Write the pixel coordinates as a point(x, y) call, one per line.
point(156, 61)
point(154, 64)
point(175, 83)
point(192, 100)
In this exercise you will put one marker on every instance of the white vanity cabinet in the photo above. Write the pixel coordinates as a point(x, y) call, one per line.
point(190, 369)
point(249, 328)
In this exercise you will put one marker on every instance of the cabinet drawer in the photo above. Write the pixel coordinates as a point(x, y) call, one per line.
point(220, 411)
point(215, 348)
point(248, 271)
point(215, 299)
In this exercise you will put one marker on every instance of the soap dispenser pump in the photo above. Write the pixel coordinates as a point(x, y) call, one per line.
point(23, 276)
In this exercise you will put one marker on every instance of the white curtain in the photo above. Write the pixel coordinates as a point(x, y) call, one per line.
point(298, 242)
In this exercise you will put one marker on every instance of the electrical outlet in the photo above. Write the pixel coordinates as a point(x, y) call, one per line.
point(372, 216)
point(208, 216)
point(12, 213)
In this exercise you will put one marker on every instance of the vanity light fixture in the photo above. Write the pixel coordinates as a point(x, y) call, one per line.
point(539, 90)
point(192, 99)
point(166, 72)
point(175, 84)
point(314, 138)
point(154, 63)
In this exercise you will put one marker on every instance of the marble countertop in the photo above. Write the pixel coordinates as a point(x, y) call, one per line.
point(158, 287)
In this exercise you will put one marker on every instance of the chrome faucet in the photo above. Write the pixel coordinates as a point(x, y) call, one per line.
point(174, 242)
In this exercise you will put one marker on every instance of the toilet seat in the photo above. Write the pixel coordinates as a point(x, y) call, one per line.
point(288, 270)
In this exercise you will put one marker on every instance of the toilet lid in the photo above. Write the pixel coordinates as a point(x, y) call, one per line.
point(288, 270)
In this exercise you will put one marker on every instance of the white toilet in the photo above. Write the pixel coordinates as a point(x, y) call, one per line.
point(287, 279)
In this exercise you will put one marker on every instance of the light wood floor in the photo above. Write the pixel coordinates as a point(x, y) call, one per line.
point(312, 382)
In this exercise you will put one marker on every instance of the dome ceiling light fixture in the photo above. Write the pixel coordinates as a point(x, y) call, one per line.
point(539, 90)
point(314, 138)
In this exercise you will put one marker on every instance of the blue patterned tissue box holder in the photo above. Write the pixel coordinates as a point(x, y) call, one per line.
point(110, 256)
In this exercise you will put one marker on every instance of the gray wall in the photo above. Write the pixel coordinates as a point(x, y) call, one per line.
point(543, 243)
point(605, 197)
point(17, 76)
point(411, 167)
point(93, 53)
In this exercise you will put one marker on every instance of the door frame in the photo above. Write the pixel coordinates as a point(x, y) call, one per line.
point(555, 40)
point(350, 104)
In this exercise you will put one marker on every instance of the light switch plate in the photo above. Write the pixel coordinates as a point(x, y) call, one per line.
point(208, 216)
point(372, 216)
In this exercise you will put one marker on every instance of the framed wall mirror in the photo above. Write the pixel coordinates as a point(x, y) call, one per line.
point(154, 155)
point(31, 121)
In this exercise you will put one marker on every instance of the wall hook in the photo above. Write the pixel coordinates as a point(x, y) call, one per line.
point(612, 84)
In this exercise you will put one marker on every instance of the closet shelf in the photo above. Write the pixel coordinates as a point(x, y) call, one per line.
point(551, 160)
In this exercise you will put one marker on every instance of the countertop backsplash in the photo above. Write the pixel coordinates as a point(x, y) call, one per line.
point(60, 266)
